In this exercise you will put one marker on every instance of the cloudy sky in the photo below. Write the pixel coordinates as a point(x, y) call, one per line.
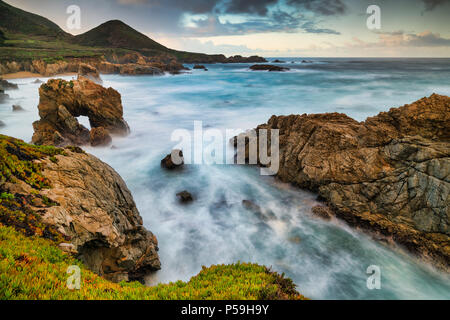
point(282, 28)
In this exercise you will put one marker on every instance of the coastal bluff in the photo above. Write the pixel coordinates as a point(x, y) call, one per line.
point(388, 175)
point(78, 201)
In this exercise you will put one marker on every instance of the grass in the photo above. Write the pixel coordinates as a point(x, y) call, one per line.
point(35, 268)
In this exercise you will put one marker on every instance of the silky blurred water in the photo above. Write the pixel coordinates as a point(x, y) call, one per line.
point(327, 260)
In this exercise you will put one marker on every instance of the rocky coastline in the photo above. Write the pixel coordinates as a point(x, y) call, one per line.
point(388, 175)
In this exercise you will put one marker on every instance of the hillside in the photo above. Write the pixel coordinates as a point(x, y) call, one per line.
point(117, 34)
point(14, 21)
point(26, 36)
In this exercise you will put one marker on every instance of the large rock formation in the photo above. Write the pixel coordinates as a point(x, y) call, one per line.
point(84, 200)
point(389, 174)
point(61, 102)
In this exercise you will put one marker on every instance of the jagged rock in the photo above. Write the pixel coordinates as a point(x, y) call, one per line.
point(6, 85)
point(200, 67)
point(170, 161)
point(100, 137)
point(17, 108)
point(90, 206)
point(267, 67)
point(62, 101)
point(185, 197)
point(322, 212)
point(89, 72)
point(389, 174)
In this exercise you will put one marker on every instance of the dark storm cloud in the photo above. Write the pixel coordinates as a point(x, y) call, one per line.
point(322, 7)
point(433, 4)
point(258, 7)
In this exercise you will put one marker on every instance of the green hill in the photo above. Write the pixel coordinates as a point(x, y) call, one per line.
point(117, 34)
point(16, 21)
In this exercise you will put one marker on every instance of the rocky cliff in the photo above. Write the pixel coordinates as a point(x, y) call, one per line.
point(77, 200)
point(61, 102)
point(389, 174)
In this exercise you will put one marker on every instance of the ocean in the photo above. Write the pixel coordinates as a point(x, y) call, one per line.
point(327, 260)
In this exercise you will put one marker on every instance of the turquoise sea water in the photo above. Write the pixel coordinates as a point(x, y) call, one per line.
point(327, 260)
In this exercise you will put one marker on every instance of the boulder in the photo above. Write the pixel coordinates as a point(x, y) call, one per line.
point(388, 174)
point(61, 102)
point(322, 212)
point(173, 161)
point(278, 61)
point(200, 67)
point(89, 72)
point(5, 85)
point(2, 124)
point(185, 197)
point(267, 67)
point(99, 137)
point(38, 81)
point(17, 108)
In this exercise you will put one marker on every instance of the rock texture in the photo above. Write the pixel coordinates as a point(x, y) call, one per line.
point(168, 162)
point(61, 102)
point(86, 202)
point(389, 174)
point(89, 72)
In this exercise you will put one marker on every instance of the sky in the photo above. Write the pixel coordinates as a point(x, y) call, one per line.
point(271, 28)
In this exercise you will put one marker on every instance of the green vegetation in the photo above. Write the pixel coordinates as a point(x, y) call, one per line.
point(17, 165)
point(34, 268)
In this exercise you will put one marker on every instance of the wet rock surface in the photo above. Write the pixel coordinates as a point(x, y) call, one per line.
point(389, 174)
point(173, 161)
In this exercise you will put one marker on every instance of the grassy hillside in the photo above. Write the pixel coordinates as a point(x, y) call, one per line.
point(33, 267)
point(16, 21)
point(116, 34)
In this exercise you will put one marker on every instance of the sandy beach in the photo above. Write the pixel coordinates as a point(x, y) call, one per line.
point(26, 74)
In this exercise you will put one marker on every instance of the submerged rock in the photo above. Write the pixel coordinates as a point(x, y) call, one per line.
point(389, 174)
point(185, 197)
point(267, 67)
point(17, 108)
point(3, 96)
point(173, 161)
point(61, 102)
point(200, 67)
point(2, 124)
point(38, 81)
point(6, 85)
